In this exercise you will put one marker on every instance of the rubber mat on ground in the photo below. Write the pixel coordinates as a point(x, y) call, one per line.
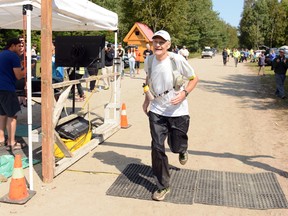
point(136, 181)
point(241, 190)
point(255, 191)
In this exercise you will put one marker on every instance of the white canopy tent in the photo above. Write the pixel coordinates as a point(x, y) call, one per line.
point(67, 15)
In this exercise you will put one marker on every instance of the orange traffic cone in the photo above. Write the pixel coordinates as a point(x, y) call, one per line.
point(18, 193)
point(124, 120)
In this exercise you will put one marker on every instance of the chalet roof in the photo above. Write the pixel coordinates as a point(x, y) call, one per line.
point(144, 29)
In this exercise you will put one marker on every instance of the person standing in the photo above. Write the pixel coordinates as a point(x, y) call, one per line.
point(261, 63)
point(225, 56)
point(121, 53)
point(236, 55)
point(108, 69)
point(132, 57)
point(21, 84)
point(272, 56)
point(175, 50)
point(10, 71)
point(148, 51)
point(168, 112)
point(76, 75)
point(184, 52)
point(280, 68)
point(92, 70)
point(34, 61)
point(137, 60)
point(229, 54)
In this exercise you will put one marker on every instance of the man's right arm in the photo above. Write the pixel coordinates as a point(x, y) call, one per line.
point(146, 102)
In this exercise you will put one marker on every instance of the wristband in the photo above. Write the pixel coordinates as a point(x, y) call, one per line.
point(186, 93)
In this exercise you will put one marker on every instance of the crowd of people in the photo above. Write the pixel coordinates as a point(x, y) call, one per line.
point(134, 57)
point(279, 64)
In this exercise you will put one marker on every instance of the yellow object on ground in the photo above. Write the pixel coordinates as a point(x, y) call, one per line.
point(73, 145)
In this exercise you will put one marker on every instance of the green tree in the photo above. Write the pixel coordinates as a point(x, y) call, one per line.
point(264, 22)
point(115, 6)
point(190, 22)
point(206, 28)
point(158, 14)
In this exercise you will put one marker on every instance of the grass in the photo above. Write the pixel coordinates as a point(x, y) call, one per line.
point(268, 82)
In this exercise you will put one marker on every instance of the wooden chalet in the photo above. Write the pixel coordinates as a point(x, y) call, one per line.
point(139, 35)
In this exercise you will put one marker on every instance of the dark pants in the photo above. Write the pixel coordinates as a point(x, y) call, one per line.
point(33, 69)
point(173, 128)
point(92, 72)
point(280, 80)
point(9, 104)
point(224, 60)
point(236, 61)
point(75, 76)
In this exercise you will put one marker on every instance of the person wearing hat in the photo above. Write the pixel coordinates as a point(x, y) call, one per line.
point(10, 71)
point(168, 111)
point(280, 66)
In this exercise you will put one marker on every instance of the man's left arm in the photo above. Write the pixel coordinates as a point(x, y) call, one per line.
point(188, 72)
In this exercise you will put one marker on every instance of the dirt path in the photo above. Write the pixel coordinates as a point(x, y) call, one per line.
point(236, 125)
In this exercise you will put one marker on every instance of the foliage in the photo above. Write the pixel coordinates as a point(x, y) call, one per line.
point(264, 23)
point(192, 23)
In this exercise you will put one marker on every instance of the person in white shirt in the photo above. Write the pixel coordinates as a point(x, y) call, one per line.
point(184, 52)
point(168, 111)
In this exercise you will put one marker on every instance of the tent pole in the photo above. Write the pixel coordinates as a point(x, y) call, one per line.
point(47, 99)
point(115, 83)
point(27, 10)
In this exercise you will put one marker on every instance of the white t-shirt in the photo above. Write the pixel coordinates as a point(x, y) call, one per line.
point(184, 52)
point(162, 80)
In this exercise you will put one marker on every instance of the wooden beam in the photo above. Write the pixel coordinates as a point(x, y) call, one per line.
point(48, 159)
point(83, 80)
point(62, 146)
point(106, 130)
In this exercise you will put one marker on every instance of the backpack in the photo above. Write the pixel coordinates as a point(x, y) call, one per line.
point(178, 80)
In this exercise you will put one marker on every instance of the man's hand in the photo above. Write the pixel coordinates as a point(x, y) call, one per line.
point(180, 96)
point(145, 106)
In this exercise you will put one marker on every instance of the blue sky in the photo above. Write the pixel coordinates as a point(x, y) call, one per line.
point(229, 10)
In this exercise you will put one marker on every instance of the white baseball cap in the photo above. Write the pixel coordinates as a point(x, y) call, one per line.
point(164, 34)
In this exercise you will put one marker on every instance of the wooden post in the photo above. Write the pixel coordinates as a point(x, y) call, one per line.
point(48, 160)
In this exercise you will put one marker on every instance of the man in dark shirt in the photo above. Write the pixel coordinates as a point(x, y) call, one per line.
point(148, 51)
point(10, 71)
point(108, 69)
point(280, 68)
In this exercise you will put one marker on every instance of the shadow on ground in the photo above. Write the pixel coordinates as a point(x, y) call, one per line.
point(254, 91)
point(121, 161)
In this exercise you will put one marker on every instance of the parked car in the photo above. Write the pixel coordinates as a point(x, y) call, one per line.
point(207, 53)
point(214, 51)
